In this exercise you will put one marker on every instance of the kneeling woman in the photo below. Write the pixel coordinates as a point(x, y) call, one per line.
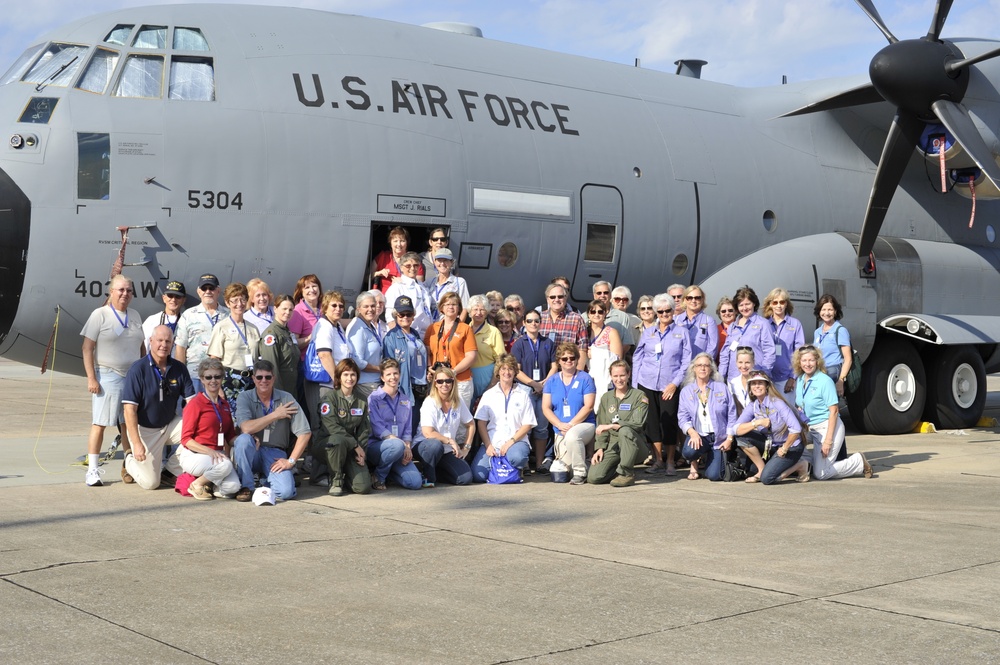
point(504, 418)
point(778, 433)
point(389, 447)
point(816, 396)
point(706, 413)
point(344, 432)
point(621, 431)
point(444, 419)
point(207, 436)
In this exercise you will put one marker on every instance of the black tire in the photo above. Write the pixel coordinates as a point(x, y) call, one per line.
point(956, 387)
point(892, 394)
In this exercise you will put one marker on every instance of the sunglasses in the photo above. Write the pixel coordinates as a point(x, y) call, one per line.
point(727, 311)
point(740, 349)
point(602, 293)
point(694, 297)
point(596, 311)
point(620, 299)
point(505, 323)
point(263, 377)
point(532, 320)
point(779, 302)
point(557, 297)
point(568, 359)
point(444, 382)
point(664, 311)
point(207, 288)
point(511, 308)
point(404, 315)
point(174, 296)
point(212, 377)
point(440, 239)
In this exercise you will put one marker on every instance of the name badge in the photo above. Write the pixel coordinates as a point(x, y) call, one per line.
point(395, 430)
point(552, 336)
point(536, 374)
point(566, 412)
point(733, 345)
point(625, 407)
point(222, 440)
point(267, 435)
point(420, 360)
point(658, 348)
point(777, 350)
point(576, 385)
point(248, 360)
point(357, 412)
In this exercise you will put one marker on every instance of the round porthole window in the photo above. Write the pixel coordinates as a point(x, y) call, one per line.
point(770, 221)
point(507, 255)
point(991, 234)
point(680, 264)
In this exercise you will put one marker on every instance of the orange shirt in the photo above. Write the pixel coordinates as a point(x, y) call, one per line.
point(448, 347)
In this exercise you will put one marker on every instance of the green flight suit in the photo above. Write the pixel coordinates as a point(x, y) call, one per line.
point(625, 447)
point(344, 426)
point(277, 347)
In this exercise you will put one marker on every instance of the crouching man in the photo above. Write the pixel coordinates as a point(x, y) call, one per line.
point(153, 388)
point(267, 419)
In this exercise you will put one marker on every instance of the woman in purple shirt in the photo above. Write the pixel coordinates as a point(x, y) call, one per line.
point(702, 329)
point(749, 329)
point(706, 413)
point(788, 337)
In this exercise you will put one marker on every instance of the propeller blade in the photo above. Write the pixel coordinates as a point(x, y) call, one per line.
point(869, 8)
point(862, 94)
point(904, 134)
point(956, 119)
point(940, 16)
point(956, 65)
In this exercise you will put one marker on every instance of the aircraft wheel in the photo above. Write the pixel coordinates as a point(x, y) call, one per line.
point(892, 394)
point(956, 387)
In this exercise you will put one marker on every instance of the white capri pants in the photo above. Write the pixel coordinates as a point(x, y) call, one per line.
point(222, 474)
point(825, 468)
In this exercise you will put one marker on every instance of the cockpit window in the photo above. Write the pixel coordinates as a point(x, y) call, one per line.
point(21, 65)
point(119, 35)
point(192, 79)
point(98, 73)
point(142, 76)
point(151, 36)
point(57, 66)
point(189, 39)
point(93, 178)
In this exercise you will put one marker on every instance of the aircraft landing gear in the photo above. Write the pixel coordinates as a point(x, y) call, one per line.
point(891, 397)
point(956, 387)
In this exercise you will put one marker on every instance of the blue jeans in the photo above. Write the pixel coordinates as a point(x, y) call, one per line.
point(714, 455)
point(453, 470)
point(250, 459)
point(517, 455)
point(386, 456)
point(777, 465)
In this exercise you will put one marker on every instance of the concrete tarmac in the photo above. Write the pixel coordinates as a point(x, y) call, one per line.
point(903, 568)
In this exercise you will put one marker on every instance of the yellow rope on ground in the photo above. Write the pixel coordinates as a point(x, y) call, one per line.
point(45, 409)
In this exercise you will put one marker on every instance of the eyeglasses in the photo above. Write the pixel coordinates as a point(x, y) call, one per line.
point(440, 238)
point(212, 377)
point(444, 382)
point(410, 266)
point(404, 315)
point(596, 311)
point(619, 299)
point(694, 297)
point(263, 377)
point(568, 359)
point(513, 308)
point(676, 296)
point(504, 323)
point(173, 296)
point(207, 287)
point(336, 305)
point(557, 297)
point(702, 366)
point(532, 320)
point(779, 302)
point(645, 308)
point(124, 291)
point(727, 311)
point(602, 293)
point(664, 311)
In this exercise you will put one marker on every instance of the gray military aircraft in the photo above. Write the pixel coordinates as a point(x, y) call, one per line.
point(269, 142)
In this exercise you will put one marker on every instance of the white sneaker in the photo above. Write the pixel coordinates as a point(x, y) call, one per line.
point(94, 476)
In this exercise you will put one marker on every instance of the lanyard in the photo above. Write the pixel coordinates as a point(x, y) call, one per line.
point(212, 320)
point(158, 374)
point(218, 414)
point(442, 287)
point(124, 323)
point(506, 399)
point(599, 333)
point(163, 321)
point(481, 326)
point(392, 406)
point(534, 349)
point(314, 312)
point(340, 331)
point(266, 409)
point(374, 331)
point(243, 335)
point(265, 316)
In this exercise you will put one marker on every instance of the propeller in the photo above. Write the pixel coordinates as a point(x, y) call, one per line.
point(926, 80)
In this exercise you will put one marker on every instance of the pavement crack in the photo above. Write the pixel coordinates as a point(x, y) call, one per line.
point(110, 622)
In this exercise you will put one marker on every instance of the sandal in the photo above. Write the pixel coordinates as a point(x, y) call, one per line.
point(244, 495)
point(753, 479)
point(377, 484)
point(803, 476)
point(868, 467)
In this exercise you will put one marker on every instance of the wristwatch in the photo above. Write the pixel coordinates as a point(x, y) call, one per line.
point(292, 461)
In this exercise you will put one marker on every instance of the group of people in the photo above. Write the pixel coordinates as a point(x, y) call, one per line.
point(427, 384)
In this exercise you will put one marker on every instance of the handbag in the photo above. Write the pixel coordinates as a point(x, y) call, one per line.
point(502, 472)
point(314, 370)
point(853, 379)
point(733, 468)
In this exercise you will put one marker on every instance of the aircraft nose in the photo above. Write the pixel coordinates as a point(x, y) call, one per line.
point(15, 223)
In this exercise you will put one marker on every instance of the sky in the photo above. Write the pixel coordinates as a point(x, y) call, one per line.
point(746, 42)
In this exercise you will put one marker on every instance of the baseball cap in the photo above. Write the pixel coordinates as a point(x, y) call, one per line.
point(404, 305)
point(208, 278)
point(263, 496)
point(175, 288)
point(444, 254)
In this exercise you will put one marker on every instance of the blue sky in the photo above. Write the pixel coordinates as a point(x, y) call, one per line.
point(746, 42)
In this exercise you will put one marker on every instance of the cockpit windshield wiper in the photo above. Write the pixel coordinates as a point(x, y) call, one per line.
point(41, 86)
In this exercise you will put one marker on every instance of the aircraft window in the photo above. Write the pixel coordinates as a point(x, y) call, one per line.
point(192, 79)
point(770, 221)
point(991, 234)
point(520, 203)
point(21, 64)
point(39, 110)
point(98, 73)
point(680, 264)
point(57, 65)
point(151, 36)
point(507, 254)
point(119, 35)
point(142, 76)
point(189, 39)
point(600, 243)
point(94, 170)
